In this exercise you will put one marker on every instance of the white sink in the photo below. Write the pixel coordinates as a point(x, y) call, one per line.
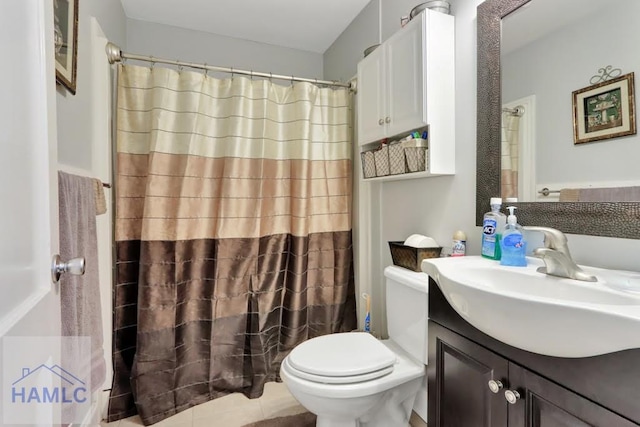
point(540, 313)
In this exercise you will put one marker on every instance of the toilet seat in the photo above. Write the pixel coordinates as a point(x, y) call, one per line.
point(341, 359)
point(338, 380)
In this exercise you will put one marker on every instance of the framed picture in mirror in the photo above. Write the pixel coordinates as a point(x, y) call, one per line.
point(65, 14)
point(604, 110)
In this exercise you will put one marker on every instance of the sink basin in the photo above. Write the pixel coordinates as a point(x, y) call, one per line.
point(540, 313)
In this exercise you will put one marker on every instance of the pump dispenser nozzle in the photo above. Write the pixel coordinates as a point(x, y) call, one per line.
point(511, 219)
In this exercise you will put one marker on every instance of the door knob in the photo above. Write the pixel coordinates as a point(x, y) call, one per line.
point(387, 120)
point(495, 386)
point(381, 122)
point(512, 396)
point(74, 266)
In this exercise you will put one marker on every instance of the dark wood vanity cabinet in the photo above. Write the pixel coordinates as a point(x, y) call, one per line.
point(545, 404)
point(546, 391)
point(460, 395)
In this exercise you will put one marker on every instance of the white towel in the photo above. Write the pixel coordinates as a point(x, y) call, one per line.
point(80, 295)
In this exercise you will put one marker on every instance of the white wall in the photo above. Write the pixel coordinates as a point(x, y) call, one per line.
point(378, 21)
point(544, 69)
point(440, 206)
point(391, 12)
point(74, 111)
point(342, 57)
point(169, 42)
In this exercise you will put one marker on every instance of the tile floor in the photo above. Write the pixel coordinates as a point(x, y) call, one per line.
point(234, 410)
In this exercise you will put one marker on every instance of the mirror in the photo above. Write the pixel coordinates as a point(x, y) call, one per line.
point(613, 219)
point(550, 49)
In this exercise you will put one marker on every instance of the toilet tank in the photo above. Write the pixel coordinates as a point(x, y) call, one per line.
point(408, 310)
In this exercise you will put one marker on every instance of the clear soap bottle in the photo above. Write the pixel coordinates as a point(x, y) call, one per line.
point(492, 227)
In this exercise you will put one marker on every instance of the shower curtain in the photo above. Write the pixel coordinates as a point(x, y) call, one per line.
point(233, 234)
point(510, 154)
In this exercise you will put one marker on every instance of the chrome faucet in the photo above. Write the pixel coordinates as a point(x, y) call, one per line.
point(556, 256)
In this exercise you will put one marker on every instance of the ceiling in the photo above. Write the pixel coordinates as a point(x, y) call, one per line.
point(311, 25)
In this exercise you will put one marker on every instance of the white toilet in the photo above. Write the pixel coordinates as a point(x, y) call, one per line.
point(353, 380)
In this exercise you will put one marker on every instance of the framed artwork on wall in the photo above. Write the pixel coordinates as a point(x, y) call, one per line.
point(65, 14)
point(604, 110)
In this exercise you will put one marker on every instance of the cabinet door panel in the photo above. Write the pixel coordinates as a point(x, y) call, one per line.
point(545, 404)
point(371, 97)
point(460, 395)
point(405, 79)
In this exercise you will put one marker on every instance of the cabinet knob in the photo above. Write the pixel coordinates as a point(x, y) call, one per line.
point(387, 120)
point(381, 122)
point(495, 386)
point(512, 396)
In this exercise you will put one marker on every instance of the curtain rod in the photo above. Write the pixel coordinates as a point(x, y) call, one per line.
point(115, 54)
point(517, 111)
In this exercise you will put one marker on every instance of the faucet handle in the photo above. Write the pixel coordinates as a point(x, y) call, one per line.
point(559, 265)
point(553, 238)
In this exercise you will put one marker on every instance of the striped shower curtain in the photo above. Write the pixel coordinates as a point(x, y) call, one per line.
point(233, 234)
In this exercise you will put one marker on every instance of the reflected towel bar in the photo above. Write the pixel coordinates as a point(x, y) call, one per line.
point(545, 191)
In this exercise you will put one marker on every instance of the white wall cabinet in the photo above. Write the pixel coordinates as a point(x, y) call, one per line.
point(409, 83)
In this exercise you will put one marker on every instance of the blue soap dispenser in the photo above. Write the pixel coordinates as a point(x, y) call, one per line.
point(513, 246)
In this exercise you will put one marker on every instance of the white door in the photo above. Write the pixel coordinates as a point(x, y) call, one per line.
point(29, 302)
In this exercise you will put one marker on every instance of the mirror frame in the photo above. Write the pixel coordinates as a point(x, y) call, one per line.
point(611, 219)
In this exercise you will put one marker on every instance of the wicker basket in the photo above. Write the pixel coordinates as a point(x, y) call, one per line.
point(368, 164)
point(416, 158)
point(397, 163)
point(381, 158)
point(410, 257)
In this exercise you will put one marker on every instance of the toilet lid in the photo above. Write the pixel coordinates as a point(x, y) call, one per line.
point(343, 355)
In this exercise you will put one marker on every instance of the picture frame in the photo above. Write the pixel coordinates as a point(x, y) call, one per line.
point(65, 14)
point(605, 110)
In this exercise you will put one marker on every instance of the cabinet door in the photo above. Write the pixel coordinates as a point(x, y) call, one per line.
point(405, 79)
point(459, 394)
point(545, 404)
point(371, 97)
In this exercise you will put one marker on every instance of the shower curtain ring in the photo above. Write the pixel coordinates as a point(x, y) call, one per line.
point(231, 68)
point(153, 63)
point(206, 70)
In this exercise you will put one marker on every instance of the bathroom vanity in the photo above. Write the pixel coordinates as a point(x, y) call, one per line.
point(476, 380)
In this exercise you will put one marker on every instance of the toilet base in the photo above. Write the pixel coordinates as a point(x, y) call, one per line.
point(395, 408)
point(328, 422)
point(390, 408)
